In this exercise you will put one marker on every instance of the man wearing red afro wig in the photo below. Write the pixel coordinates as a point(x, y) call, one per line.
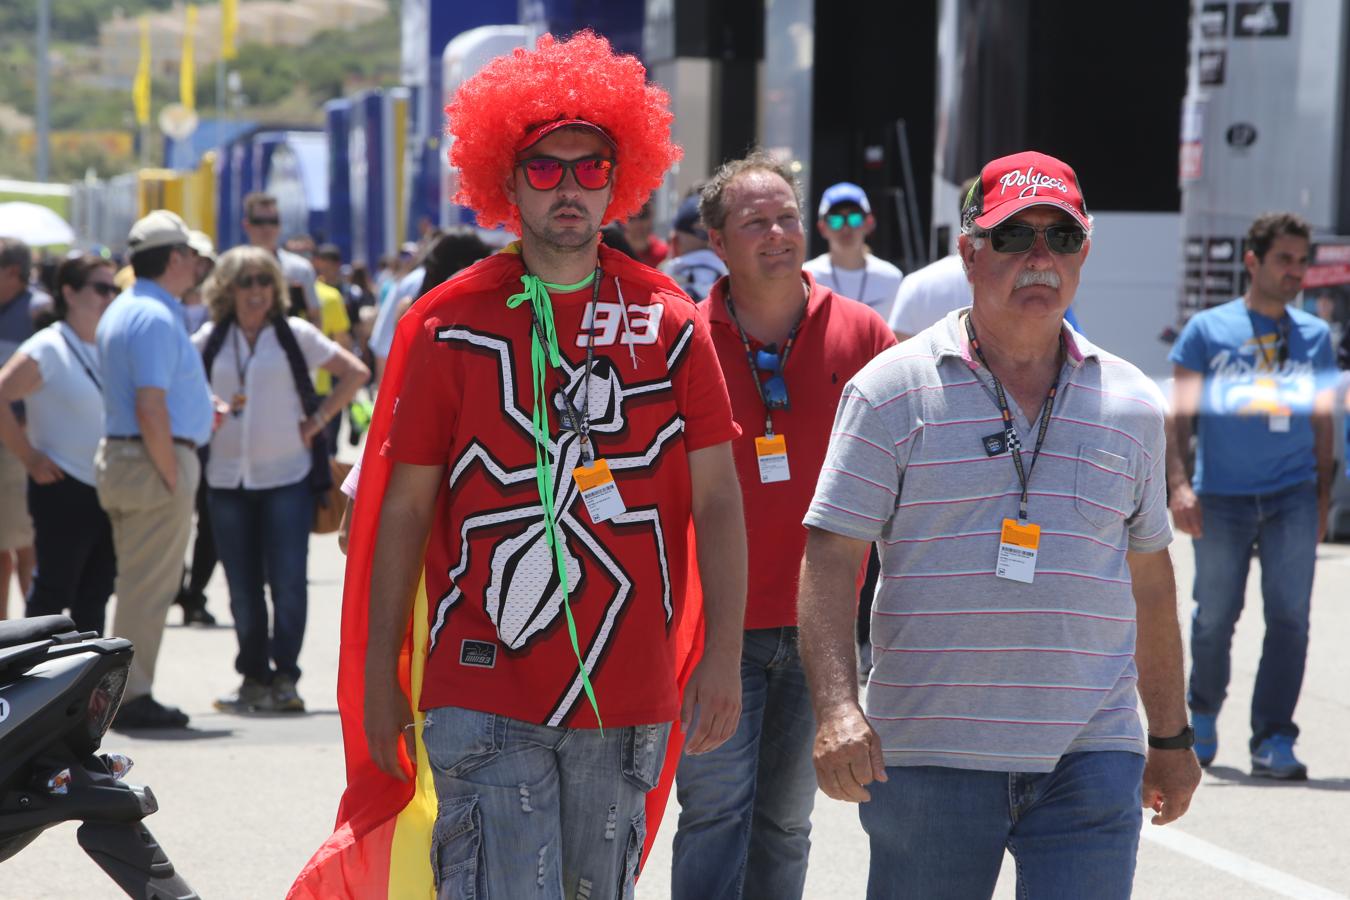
point(561, 420)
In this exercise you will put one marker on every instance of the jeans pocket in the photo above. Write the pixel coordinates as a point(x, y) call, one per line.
point(644, 750)
point(632, 858)
point(460, 740)
point(1101, 486)
point(457, 850)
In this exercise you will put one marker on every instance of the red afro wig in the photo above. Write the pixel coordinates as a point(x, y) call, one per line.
point(579, 78)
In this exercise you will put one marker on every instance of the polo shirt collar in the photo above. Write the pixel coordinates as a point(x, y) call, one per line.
point(950, 339)
point(144, 287)
point(717, 313)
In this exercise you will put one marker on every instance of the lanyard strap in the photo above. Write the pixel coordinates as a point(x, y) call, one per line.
point(862, 285)
point(79, 357)
point(1009, 429)
point(241, 365)
point(1282, 346)
point(544, 353)
point(750, 356)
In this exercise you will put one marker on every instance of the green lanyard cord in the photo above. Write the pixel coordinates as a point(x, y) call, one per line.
point(541, 356)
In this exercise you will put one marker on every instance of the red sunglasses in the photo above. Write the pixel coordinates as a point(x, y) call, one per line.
point(544, 173)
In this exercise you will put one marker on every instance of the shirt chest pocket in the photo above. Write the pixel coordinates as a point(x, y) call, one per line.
point(1102, 486)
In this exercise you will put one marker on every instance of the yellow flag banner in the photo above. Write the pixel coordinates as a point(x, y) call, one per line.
point(140, 88)
point(229, 26)
point(187, 66)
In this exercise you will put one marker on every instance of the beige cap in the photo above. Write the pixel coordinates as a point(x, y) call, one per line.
point(201, 242)
point(160, 228)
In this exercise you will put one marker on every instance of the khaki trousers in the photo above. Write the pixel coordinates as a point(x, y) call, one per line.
point(150, 528)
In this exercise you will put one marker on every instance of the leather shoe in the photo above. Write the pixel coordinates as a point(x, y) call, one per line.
point(147, 712)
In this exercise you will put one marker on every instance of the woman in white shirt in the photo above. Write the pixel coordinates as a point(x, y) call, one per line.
point(258, 472)
point(56, 375)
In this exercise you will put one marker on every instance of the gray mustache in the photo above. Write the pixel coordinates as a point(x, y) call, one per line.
point(1029, 278)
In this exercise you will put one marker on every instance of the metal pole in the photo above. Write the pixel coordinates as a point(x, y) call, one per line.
point(220, 90)
point(44, 28)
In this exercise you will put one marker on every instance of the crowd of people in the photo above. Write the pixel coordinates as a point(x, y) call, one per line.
point(639, 489)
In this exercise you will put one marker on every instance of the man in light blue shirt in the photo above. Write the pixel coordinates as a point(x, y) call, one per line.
point(158, 411)
point(1255, 374)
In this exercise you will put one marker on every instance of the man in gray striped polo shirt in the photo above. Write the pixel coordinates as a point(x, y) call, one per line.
point(1013, 475)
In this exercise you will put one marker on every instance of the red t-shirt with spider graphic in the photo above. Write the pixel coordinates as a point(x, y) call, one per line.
point(499, 640)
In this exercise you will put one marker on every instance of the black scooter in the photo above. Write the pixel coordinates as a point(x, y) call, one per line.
point(59, 691)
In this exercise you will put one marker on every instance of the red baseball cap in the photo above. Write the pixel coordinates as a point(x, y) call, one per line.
point(536, 133)
point(1011, 184)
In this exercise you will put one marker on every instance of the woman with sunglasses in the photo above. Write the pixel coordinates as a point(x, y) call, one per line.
point(56, 375)
point(258, 471)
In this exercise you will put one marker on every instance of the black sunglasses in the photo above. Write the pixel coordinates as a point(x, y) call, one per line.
point(262, 222)
point(103, 288)
point(775, 390)
point(1018, 237)
point(251, 281)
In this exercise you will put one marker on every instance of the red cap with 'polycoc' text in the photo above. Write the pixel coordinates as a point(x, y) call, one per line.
point(1010, 184)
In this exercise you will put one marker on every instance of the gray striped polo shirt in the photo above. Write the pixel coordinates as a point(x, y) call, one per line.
point(973, 671)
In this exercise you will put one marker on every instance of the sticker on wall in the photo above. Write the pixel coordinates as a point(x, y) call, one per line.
point(4, 709)
point(1241, 135)
point(1259, 20)
point(1221, 249)
point(1214, 21)
point(1211, 64)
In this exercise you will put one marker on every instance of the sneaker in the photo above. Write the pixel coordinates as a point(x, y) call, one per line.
point(1274, 758)
point(147, 712)
point(1206, 737)
point(284, 696)
point(252, 696)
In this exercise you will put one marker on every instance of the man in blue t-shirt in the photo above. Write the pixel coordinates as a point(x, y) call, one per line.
point(1254, 376)
point(158, 411)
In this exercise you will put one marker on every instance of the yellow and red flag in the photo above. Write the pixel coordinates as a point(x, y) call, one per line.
point(381, 843)
point(140, 87)
point(187, 71)
point(229, 28)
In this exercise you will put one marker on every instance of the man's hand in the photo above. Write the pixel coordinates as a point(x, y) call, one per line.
point(1186, 511)
point(388, 716)
point(847, 754)
point(41, 468)
point(1170, 779)
point(1323, 515)
point(714, 690)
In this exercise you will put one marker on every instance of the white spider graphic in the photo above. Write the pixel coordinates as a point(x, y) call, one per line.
point(524, 594)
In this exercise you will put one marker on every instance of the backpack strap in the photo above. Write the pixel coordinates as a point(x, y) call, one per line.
point(304, 386)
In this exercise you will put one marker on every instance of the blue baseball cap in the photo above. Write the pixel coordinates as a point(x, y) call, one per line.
point(843, 192)
point(688, 220)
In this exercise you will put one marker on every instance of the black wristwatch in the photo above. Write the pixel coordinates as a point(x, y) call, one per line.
point(1183, 741)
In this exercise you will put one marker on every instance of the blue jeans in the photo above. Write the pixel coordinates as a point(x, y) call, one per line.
point(263, 536)
point(530, 811)
point(1283, 527)
point(940, 833)
point(745, 808)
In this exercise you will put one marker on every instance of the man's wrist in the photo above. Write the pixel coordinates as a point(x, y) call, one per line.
point(1182, 740)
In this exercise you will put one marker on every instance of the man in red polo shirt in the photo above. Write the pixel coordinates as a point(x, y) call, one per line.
point(787, 347)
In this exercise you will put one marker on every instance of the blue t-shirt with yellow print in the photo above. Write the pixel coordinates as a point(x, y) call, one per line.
point(1261, 376)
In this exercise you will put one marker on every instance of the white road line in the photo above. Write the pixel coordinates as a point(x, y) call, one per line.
point(1239, 866)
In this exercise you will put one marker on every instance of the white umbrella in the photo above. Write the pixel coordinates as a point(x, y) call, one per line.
point(35, 225)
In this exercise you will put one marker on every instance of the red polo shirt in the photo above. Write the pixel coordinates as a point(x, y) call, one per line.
point(837, 337)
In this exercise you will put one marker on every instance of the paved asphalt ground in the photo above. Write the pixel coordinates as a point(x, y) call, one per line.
point(246, 800)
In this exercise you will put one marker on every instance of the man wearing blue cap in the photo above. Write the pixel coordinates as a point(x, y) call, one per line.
point(844, 220)
point(693, 264)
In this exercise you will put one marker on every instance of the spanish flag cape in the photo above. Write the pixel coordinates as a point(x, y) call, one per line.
point(381, 844)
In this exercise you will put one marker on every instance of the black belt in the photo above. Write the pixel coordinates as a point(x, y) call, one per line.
point(180, 441)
